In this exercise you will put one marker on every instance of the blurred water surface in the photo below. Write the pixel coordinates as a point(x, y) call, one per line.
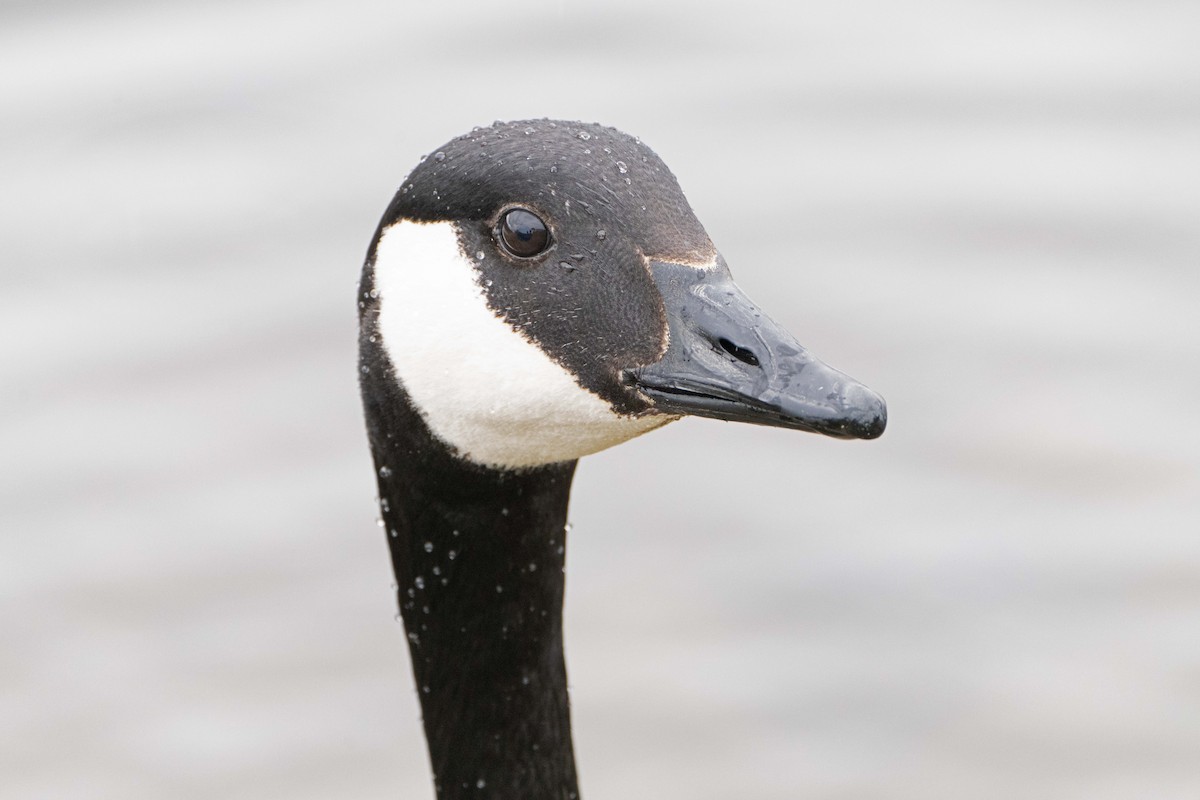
point(989, 212)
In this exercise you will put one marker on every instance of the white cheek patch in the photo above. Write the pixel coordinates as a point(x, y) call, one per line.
point(480, 385)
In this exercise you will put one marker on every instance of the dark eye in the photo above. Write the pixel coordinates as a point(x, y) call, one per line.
point(523, 233)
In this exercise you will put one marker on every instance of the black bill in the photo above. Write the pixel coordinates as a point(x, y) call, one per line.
point(728, 360)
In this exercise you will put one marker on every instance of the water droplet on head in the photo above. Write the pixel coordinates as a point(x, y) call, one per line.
point(600, 234)
point(479, 255)
point(429, 547)
point(385, 471)
point(394, 533)
point(439, 156)
point(479, 784)
point(621, 166)
point(566, 265)
point(419, 582)
point(584, 135)
point(365, 369)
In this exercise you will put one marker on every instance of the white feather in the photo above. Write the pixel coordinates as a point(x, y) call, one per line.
point(480, 385)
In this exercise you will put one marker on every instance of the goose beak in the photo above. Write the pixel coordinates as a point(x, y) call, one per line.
point(728, 360)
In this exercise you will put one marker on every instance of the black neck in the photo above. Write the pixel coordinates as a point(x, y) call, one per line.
point(478, 556)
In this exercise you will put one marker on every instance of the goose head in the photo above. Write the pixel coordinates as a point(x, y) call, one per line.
point(542, 290)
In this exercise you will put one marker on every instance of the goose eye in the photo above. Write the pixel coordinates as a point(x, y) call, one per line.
point(523, 233)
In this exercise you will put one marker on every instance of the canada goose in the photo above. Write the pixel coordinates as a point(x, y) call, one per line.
point(535, 292)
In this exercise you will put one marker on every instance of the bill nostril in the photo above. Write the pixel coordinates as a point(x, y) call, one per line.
point(740, 353)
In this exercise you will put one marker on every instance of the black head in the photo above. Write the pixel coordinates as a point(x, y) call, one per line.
point(572, 246)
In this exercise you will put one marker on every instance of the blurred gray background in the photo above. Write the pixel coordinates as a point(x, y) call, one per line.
point(989, 212)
